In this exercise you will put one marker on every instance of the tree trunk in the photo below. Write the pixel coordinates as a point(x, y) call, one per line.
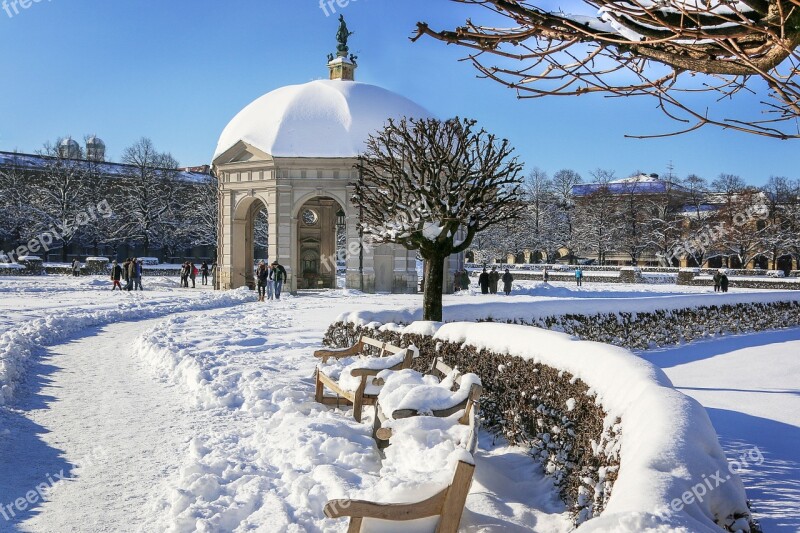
point(434, 285)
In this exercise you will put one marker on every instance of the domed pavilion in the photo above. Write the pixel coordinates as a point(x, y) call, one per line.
point(294, 154)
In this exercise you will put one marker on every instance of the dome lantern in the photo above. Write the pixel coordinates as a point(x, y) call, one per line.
point(341, 66)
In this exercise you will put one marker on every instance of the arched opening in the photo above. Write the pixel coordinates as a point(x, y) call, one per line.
point(321, 244)
point(761, 261)
point(249, 241)
point(785, 264)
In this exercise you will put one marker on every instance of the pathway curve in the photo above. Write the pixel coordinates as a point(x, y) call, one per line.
point(93, 411)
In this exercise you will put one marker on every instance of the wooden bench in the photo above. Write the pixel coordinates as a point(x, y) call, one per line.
point(469, 405)
point(448, 503)
point(358, 398)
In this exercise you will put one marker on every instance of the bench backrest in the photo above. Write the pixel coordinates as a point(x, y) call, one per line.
point(384, 348)
point(469, 406)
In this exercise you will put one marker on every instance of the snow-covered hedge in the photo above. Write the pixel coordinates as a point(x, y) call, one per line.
point(641, 326)
point(618, 439)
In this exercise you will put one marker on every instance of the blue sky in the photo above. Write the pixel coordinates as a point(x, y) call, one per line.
point(178, 71)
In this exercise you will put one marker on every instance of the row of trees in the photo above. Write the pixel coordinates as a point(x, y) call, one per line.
point(686, 219)
point(144, 204)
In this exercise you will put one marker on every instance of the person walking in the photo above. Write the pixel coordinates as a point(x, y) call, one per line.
point(717, 280)
point(262, 276)
point(126, 273)
point(723, 282)
point(138, 267)
point(76, 268)
point(465, 281)
point(130, 271)
point(270, 282)
point(579, 276)
point(204, 272)
point(507, 280)
point(184, 275)
point(116, 275)
point(192, 274)
point(279, 278)
point(494, 279)
point(483, 281)
point(545, 275)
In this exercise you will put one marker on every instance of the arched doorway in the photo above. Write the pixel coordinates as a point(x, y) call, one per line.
point(249, 242)
point(321, 244)
point(785, 264)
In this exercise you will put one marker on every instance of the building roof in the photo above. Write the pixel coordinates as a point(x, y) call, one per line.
point(323, 118)
point(639, 184)
point(35, 162)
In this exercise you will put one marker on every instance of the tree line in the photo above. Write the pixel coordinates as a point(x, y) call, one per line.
point(688, 219)
point(151, 205)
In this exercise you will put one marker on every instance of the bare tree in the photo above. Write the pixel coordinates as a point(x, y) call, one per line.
point(596, 218)
point(643, 47)
point(634, 218)
point(430, 186)
point(16, 195)
point(563, 234)
point(147, 196)
point(60, 195)
point(697, 214)
point(778, 233)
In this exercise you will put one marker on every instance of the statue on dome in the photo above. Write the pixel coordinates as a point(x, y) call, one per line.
point(341, 36)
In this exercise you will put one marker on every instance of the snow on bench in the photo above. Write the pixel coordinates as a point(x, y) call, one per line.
point(408, 393)
point(419, 442)
point(351, 373)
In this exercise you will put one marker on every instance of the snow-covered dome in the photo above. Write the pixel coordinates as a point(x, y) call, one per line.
point(323, 118)
point(69, 148)
point(95, 148)
point(95, 141)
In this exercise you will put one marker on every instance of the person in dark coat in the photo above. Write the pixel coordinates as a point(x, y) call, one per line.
point(192, 273)
point(483, 281)
point(204, 272)
point(116, 275)
point(723, 282)
point(262, 276)
point(465, 281)
point(717, 280)
point(494, 279)
point(279, 277)
point(545, 275)
point(507, 279)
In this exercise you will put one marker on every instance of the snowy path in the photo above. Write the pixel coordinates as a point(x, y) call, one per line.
point(98, 407)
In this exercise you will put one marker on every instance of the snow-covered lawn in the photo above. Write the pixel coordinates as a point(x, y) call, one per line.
point(205, 420)
point(750, 386)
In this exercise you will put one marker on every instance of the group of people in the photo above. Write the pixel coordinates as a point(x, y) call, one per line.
point(488, 281)
point(720, 281)
point(130, 271)
point(270, 279)
point(190, 272)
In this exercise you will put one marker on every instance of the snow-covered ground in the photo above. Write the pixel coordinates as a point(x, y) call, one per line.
point(750, 387)
point(204, 419)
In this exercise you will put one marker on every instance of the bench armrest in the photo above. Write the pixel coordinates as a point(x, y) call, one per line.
point(386, 511)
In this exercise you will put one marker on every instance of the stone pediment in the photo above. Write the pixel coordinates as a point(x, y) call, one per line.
point(242, 152)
